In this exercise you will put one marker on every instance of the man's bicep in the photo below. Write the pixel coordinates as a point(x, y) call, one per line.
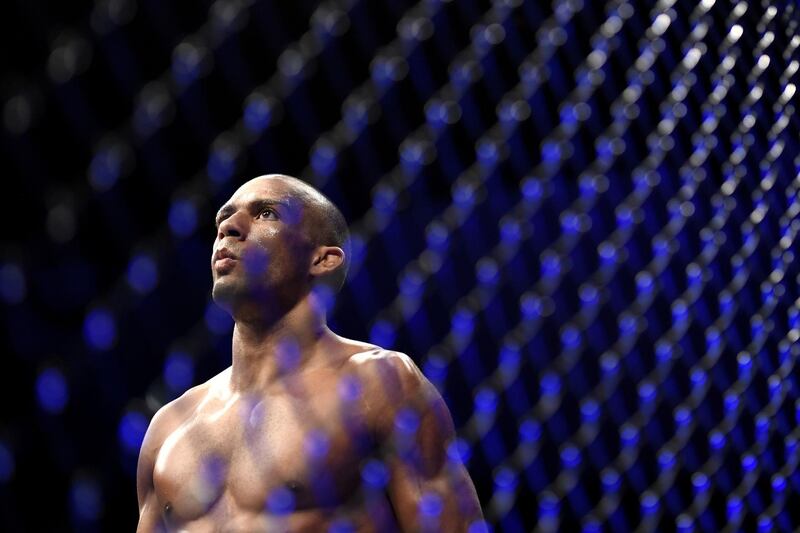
point(149, 514)
point(429, 488)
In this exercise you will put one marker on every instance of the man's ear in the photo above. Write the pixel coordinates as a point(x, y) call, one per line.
point(326, 260)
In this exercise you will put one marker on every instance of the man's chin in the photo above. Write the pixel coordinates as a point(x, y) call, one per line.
point(226, 294)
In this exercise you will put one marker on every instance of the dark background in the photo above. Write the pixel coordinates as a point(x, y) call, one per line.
point(579, 219)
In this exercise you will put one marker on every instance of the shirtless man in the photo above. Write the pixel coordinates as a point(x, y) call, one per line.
point(306, 430)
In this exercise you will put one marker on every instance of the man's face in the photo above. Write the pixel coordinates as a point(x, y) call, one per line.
point(261, 253)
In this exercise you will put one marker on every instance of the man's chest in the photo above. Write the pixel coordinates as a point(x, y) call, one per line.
point(271, 454)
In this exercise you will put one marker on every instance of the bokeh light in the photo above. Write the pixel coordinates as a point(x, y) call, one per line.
point(52, 390)
point(131, 430)
point(100, 329)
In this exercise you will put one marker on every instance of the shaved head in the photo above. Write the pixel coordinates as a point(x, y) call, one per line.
point(323, 222)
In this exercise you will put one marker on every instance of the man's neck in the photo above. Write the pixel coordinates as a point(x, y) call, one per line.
point(264, 351)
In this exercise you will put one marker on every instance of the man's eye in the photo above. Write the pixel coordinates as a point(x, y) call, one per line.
point(268, 213)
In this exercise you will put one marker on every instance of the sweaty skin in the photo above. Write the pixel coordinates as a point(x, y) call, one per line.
point(306, 430)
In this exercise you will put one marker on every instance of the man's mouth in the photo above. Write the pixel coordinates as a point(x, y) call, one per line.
point(223, 254)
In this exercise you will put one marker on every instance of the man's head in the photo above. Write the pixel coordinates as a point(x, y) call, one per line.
point(277, 237)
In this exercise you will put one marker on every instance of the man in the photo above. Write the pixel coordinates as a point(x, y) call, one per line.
point(306, 430)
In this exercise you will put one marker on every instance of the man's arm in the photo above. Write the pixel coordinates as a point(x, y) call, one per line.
point(429, 489)
point(149, 511)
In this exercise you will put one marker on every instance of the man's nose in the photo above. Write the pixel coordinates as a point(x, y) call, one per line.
point(233, 226)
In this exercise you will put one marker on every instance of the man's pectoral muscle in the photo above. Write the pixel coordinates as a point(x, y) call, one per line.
point(364, 443)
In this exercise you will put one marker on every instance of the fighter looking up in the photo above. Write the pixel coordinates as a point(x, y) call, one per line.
point(306, 430)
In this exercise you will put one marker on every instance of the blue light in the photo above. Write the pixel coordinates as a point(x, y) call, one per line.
point(436, 235)
point(486, 401)
point(588, 294)
point(342, 525)
point(647, 393)
point(479, 526)
point(570, 337)
point(532, 189)
point(650, 503)
point(323, 158)
point(104, 170)
point(548, 505)
point(459, 451)
point(666, 460)
point(464, 194)
point(221, 165)
point(6, 463)
point(382, 334)
point(530, 306)
point(178, 371)
point(629, 436)
point(487, 152)
point(505, 480)
point(86, 499)
point(435, 368)
point(406, 421)
point(510, 231)
point(551, 152)
point(734, 507)
point(52, 391)
point(182, 218)
point(411, 283)
point(349, 388)
point(700, 483)
point(317, 444)
point(100, 329)
point(570, 457)
point(132, 428)
point(259, 112)
point(142, 273)
point(12, 284)
point(384, 199)
point(186, 60)
point(509, 358)
point(550, 384)
point(430, 505)
point(487, 271)
point(716, 441)
point(280, 501)
point(590, 411)
point(530, 431)
point(412, 156)
point(375, 474)
point(217, 320)
point(611, 480)
point(463, 322)
point(387, 70)
point(749, 463)
point(356, 113)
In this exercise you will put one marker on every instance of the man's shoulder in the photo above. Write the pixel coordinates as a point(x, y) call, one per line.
point(376, 361)
point(176, 411)
point(388, 374)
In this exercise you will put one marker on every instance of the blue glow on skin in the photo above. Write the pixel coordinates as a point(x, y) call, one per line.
point(375, 474)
